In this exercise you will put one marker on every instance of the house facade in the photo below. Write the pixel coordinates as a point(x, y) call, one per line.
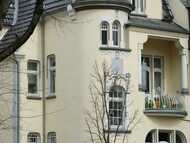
point(144, 38)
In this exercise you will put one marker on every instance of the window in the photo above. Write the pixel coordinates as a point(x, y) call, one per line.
point(116, 33)
point(51, 137)
point(104, 33)
point(116, 105)
point(152, 74)
point(165, 136)
point(33, 77)
point(140, 6)
point(51, 74)
point(33, 138)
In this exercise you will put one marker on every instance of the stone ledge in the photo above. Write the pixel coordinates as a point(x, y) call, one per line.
point(115, 49)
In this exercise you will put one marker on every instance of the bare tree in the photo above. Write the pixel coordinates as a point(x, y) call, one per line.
point(101, 126)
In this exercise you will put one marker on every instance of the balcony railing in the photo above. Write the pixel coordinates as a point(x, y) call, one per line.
point(165, 106)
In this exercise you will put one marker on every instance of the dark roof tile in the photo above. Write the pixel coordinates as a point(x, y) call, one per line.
point(156, 24)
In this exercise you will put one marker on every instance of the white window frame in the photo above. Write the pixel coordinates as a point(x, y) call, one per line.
point(124, 114)
point(35, 136)
point(116, 29)
point(52, 137)
point(37, 74)
point(152, 71)
point(51, 69)
point(105, 27)
point(140, 6)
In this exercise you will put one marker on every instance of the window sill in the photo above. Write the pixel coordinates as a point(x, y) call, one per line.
point(115, 49)
point(34, 97)
point(138, 14)
point(51, 97)
point(120, 131)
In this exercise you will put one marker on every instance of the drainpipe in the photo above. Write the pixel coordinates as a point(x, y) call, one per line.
point(17, 99)
point(43, 81)
point(189, 26)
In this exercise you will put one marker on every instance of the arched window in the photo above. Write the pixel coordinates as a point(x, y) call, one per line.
point(165, 136)
point(104, 33)
point(33, 137)
point(116, 28)
point(116, 105)
point(52, 137)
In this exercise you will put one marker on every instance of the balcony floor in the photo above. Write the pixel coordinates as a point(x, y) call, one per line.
point(165, 113)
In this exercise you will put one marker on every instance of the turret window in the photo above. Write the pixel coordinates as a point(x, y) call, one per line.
point(104, 33)
point(116, 33)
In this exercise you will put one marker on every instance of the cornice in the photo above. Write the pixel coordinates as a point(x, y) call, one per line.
point(123, 5)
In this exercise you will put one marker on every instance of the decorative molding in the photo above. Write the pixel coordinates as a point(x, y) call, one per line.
point(184, 91)
point(51, 97)
point(103, 4)
point(115, 49)
point(120, 131)
point(33, 97)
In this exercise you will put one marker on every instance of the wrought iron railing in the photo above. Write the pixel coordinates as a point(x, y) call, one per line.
point(164, 104)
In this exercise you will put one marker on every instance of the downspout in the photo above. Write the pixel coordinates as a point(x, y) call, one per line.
point(188, 9)
point(17, 100)
point(43, 81)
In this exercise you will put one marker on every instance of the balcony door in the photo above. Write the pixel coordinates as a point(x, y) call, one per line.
point(153, 74)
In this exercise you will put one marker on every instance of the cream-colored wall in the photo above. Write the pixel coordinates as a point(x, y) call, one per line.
point(31, 110)
point(180, 13)
point(7, 101)
point(76, 46)
point(154, 9)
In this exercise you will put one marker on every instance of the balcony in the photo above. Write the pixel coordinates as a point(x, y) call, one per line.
point(166, 106)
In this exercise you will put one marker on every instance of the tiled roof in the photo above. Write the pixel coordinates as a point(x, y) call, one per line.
point(8, 44)
point(155, 24)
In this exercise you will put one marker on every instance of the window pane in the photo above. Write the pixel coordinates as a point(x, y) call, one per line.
point(32, 83)
point(32, 66)
point(104, 37)
point(146, 74)
point(164, 137)
point(33, 138)
point(52, 137)
point(157, 82)
point(157, 63)
point(52, 81)
point(52, 61)
point(115, 38)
